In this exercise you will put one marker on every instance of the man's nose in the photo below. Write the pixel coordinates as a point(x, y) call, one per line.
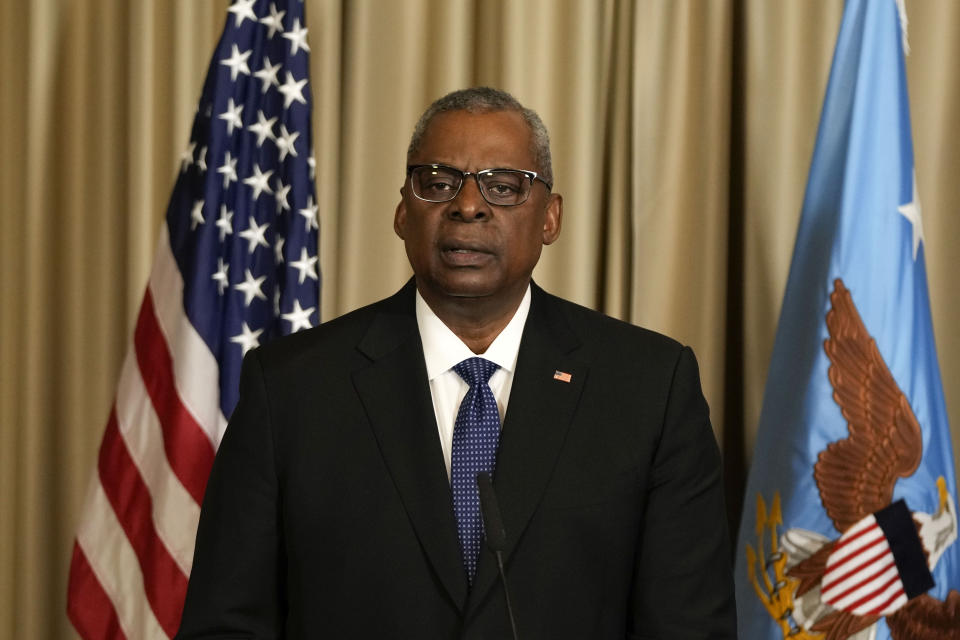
point(469, 204)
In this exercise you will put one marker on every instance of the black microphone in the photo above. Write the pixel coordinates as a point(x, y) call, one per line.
point(496, 534)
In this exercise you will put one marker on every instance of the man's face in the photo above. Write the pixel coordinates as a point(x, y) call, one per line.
point(467, 248)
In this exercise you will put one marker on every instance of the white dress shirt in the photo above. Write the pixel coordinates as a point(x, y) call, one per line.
point(442, 350)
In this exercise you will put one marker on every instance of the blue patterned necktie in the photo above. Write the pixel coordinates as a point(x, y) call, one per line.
point(476, 434)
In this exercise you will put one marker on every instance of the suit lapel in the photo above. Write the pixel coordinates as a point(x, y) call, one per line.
point(539, 414)
point(396, 395)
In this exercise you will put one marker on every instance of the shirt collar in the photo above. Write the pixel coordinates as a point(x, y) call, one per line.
point(442, 349)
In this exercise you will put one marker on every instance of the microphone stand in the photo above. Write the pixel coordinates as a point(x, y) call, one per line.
point(496, 535)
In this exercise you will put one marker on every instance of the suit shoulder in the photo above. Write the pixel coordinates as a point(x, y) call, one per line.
point(606, 332)
point(331, 340)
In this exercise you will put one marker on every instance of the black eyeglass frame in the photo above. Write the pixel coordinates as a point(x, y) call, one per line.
point(530, 175)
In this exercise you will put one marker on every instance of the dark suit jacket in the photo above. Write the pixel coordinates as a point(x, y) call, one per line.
point(328, 513)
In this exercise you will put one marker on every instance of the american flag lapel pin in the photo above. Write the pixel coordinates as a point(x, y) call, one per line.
point(562, 376)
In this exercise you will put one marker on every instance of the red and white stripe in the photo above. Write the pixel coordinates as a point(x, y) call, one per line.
point(861, 575)
point(134, 547)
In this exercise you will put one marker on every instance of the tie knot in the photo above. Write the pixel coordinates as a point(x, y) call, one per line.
point(476, 370)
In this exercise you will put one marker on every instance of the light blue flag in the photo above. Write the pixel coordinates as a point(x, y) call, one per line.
point(853, 417)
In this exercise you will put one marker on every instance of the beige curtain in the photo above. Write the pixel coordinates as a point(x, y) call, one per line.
point(682, 135)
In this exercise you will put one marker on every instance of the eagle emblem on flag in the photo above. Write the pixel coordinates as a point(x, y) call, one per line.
point(816, 588)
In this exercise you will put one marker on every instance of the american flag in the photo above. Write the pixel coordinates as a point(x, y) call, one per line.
point(236, 265)
point(861, 574)
point(877, 564)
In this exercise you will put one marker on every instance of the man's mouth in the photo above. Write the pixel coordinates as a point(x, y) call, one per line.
point(465, 256)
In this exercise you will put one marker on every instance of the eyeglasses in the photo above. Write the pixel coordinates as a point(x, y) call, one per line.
point(499, 187)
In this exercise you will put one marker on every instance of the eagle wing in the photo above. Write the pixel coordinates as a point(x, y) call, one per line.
point(840, 625)
point(810, 570)
point(856, 475)
point(926, 618)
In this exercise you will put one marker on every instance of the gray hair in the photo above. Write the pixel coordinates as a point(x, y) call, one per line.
point(486, 99)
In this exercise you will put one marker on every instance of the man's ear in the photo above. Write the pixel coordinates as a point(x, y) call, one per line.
point(553, 218)
point(400, 217)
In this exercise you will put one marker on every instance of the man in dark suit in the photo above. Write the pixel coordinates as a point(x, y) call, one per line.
point(329, 512)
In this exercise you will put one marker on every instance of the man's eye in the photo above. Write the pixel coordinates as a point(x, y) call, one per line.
point(502, 188)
